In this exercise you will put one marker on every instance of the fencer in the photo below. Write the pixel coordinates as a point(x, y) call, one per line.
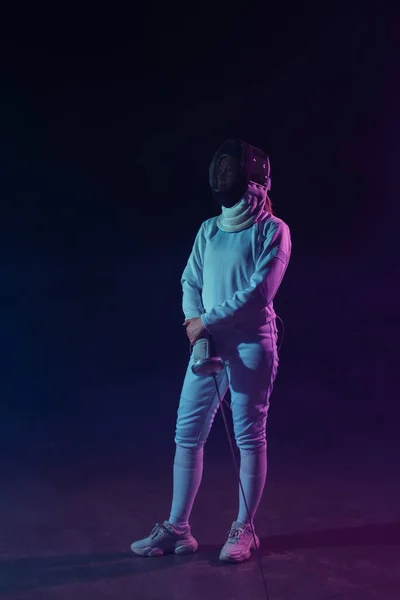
point(233, 273)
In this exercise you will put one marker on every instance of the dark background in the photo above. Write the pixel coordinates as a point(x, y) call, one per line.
point(108, 124)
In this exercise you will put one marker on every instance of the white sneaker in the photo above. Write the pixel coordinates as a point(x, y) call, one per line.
point(239, 544)
point(166, 539)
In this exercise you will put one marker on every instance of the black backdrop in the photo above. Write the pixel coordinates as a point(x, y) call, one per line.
point(105, 155)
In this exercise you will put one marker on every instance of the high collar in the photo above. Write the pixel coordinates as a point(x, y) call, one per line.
point(246, 212)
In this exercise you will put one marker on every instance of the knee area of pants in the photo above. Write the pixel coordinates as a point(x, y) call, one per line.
point(189, 447)
point(247, 449)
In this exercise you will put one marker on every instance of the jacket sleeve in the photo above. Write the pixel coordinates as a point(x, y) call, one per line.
point(192, 279)
point(264, 283)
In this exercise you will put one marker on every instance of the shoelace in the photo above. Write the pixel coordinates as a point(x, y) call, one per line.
point(158, 528)
point(235, 534)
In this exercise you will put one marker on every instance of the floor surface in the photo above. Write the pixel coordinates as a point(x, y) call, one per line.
point(329, 522)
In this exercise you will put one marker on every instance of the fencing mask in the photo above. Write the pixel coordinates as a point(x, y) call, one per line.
point(234, 166)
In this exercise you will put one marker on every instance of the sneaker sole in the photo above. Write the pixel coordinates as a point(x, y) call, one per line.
point(231, 559)
point(226, 558)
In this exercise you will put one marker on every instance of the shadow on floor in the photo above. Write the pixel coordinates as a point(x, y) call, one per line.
point(21, 574)
point(370, 535)
point(367, 535)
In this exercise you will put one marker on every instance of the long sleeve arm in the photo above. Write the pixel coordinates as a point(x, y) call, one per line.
point(192, 279)
point(264, 283)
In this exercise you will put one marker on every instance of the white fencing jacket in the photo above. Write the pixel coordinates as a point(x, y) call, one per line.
point(231, 278)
